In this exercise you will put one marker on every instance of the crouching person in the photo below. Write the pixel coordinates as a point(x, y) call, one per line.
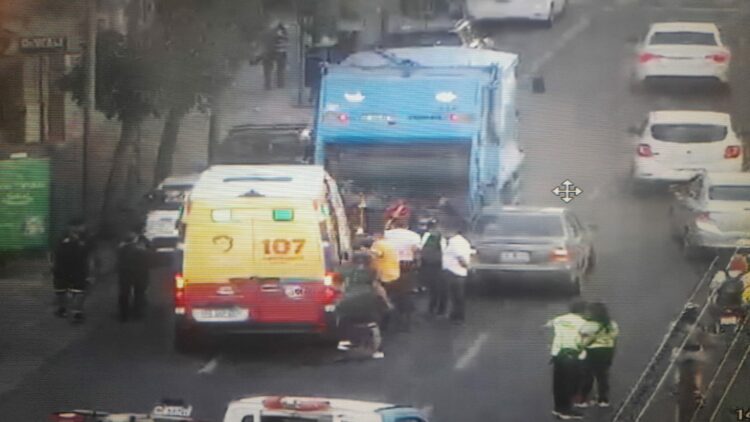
point(362, 312)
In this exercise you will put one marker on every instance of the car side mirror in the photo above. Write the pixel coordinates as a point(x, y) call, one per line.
point(538, 85)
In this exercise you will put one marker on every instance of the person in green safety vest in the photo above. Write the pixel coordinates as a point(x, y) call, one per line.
point(567, 352)
point(599, 334)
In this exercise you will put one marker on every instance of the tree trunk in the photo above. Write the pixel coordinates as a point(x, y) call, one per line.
point(117, 173)
point(214, 128)
point(167, 145)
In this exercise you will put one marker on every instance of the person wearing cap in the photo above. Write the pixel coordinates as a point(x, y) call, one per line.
point(567, 350)
point(133, 262)
point(71, 270)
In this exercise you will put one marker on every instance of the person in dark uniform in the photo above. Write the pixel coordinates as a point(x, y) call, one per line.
point(133, 261)
point(70, 268)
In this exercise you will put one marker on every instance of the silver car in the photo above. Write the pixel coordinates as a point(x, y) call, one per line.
point(526, 243)
point(711, 212)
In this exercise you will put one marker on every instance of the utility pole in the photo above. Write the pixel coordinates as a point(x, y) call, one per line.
point(89, 99)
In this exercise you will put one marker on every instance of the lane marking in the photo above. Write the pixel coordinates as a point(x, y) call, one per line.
point(695, 9)
point(210, 366)
point(471, 353)
point(561, 42)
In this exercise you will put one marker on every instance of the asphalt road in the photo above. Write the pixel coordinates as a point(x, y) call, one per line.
point(495, 368)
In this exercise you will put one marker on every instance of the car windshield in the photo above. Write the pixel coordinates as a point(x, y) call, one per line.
point(683, 38)
point(520, 225)
point(688, 133)
point(729, 193)
point(422, 39)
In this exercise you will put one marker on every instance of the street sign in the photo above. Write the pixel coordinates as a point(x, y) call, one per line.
point(42, 44)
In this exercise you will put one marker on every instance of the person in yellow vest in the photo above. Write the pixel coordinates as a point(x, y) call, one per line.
point(387, 268)
point(599, 334)
point(567, 349)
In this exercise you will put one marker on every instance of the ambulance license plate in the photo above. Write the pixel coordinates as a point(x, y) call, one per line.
point(221, 315)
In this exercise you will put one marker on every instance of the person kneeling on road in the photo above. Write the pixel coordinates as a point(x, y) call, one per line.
point(360, 314)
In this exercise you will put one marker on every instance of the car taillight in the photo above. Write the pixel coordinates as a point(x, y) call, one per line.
point(647, 57)
point(644, 150)
point(331, 295)
point(560, 255)
point(732, 151)
point(718, 58)
point(179, 291)
point(704, 217)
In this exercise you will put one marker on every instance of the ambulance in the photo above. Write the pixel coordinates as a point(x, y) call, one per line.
point(262, 252)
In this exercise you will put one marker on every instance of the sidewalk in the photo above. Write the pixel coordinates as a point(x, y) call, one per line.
point(31, 334)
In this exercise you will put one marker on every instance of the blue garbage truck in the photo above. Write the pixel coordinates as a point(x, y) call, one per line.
point(420, 124)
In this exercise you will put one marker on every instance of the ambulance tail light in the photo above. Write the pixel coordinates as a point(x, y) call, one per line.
point(179, 293)
point(331, 295)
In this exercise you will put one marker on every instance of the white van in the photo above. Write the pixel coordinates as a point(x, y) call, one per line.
point(545, 11)
point(164, 211)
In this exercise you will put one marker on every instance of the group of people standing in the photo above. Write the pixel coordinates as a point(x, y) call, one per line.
point(583, 349)
point(403, 263)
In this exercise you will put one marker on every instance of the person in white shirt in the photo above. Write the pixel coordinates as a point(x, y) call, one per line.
point(407, 244)
point(456, 258)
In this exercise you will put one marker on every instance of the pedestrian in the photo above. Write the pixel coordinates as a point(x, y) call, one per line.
point(71, 269)
point(275, 54)
point(133, 262)
point(567, 349)
point(407, 244)
point(431, 268)
point(455, 261)
point(361, 314)
point(387, 269)
point(599, 335)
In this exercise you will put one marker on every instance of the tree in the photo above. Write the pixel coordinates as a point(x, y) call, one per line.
point(204, 42)
point(127, 90)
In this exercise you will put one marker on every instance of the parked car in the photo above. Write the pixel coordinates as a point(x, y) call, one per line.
point(712, 211)
point(532, 243)
point(545, 11)
point(684, 50)
point(164, 211)
point(315, 409)
point(462, 34)
point(673, 145)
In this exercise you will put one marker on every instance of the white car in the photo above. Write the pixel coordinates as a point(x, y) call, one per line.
point(546, 11)
point(316, 409)
point(161, 222)
point(673, 146)
point(683, 50)
point(712, 211)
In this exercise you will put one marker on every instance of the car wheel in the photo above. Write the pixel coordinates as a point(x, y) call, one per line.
point(551, 17)
point(688, 250)
point(574, 288)
point(591, 263)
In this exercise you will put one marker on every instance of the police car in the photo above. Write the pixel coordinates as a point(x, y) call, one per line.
point(313, 409)
point(166, 411)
